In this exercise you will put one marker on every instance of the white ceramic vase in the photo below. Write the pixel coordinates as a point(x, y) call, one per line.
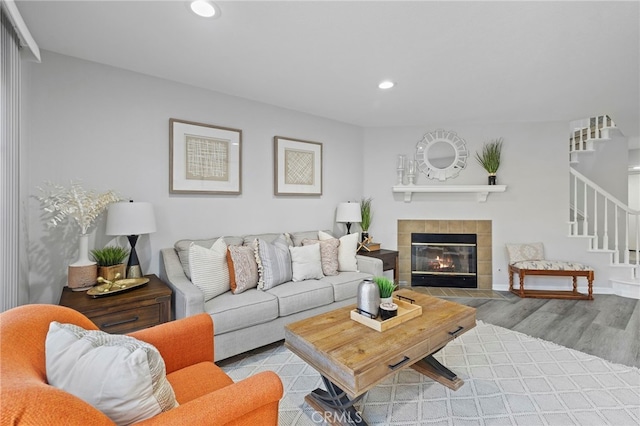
point(386, 300)
point(82, 273)
point(83, 252)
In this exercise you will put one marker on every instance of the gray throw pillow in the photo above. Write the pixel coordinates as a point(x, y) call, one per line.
point(274, 265)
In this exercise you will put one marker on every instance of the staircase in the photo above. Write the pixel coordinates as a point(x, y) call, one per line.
point(586, 132)
point(609, 225)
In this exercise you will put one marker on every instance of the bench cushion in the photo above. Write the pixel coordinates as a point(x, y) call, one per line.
point(551, 265)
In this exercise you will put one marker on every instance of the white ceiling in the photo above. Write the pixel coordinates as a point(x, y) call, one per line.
point(453, 61)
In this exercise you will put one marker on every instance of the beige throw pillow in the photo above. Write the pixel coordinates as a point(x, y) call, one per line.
point(521, 252)
point(347, 249)
point(328, 254)
point(243, 268)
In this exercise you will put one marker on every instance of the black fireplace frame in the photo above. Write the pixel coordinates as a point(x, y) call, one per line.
point(468, 280)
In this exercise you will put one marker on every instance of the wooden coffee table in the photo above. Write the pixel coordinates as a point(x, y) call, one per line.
point(352, 358)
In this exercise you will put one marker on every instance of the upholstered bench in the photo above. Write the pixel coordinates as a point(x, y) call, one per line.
point(528, 259)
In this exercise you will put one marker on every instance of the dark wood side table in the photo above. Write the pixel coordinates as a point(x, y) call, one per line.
point(389, 260)
point(129, 311)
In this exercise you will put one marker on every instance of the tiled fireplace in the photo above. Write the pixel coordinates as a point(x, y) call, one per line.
point(481, 229)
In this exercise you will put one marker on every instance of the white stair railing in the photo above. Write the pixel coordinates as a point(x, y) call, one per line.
point(585, 130)
point(610, 223)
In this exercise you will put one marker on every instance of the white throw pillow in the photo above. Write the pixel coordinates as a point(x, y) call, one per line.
point(346, 251)
point(123, 377)
point(209, 269)
point(306, 262)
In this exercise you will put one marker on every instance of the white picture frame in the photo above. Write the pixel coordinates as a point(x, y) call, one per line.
point(297, 167)
point(204, 159)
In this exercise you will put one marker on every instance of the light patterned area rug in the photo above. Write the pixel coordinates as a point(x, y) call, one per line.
point(510, 379)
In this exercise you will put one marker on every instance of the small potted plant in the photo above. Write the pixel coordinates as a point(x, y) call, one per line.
point(387, 287)
point(489, 158)
point(110, 261)
point(367, 216)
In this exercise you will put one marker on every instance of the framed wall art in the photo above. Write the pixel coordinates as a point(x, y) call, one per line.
point(298, 167)
point(204, 159)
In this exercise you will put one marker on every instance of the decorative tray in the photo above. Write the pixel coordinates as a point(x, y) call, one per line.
point(108, 288)
point(407, 310)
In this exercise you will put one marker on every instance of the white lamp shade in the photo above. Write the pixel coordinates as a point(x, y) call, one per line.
point(128, 218)
point(348, 212)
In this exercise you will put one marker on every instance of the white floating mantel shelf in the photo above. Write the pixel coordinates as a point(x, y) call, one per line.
point(482, 191)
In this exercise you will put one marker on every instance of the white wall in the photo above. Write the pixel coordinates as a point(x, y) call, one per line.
point(534, 207)
point(634, 194)
point(109, 128)
point(595, 165)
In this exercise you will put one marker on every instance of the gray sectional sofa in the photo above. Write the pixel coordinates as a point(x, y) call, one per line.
point(256, 317)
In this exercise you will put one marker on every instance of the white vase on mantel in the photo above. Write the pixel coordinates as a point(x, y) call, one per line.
point(83, 273)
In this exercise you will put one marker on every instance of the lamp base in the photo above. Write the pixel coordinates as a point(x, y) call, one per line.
point(134, 271)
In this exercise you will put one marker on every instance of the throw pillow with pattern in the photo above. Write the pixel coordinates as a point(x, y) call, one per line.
point(328, 254)
point(243, 268)
point(274, 263)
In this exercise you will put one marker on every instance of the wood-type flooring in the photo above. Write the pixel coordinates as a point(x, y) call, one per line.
point(607, 327)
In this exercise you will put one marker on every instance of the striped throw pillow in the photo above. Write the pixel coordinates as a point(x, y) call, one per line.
point(274, 263)
point(209, 269)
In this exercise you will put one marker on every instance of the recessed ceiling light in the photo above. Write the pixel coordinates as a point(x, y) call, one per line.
point(205, 8)
point(386, 84)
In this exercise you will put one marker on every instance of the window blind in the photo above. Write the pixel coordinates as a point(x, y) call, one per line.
point(9, 164)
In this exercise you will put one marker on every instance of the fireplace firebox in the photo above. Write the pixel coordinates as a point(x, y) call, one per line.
point(444, 260)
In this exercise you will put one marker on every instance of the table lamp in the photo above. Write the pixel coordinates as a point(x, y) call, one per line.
point(348, 213)
point(131, 219)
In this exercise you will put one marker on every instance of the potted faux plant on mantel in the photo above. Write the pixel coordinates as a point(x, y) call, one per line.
point(110, 262)
point(367, 216)
point(489, 158)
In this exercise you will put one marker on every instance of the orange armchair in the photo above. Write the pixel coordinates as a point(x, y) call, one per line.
point(205, 393)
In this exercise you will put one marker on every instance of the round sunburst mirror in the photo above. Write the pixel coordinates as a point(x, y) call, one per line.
point(441, 155)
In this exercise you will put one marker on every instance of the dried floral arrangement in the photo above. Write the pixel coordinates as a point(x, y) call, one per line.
point(82, 205)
